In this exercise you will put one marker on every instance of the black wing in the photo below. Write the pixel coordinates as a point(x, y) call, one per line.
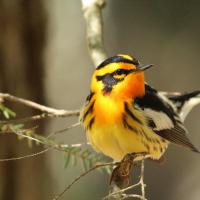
point(162, 118)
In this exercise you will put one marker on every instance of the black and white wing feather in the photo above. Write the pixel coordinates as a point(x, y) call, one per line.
point(184, 102)
point(162, 118)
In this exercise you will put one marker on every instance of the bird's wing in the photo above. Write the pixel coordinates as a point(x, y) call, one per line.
point(162, 118)
point(184, 103)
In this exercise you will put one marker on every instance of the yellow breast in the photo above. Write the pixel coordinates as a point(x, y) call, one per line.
point(110, 135)
point(115, 141)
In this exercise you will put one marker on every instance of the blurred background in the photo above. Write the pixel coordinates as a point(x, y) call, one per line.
point(44, 58)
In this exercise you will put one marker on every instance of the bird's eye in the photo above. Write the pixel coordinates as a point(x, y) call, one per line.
point(119, 72)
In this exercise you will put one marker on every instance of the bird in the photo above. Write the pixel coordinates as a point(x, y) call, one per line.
point(124, 115)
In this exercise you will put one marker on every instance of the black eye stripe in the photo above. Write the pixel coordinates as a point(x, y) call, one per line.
point(116, 72)
point(109, 81)
point(122, 72)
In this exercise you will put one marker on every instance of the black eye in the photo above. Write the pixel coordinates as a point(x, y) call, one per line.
point(120, 72)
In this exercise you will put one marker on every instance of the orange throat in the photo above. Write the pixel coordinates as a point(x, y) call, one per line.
point(108, 110)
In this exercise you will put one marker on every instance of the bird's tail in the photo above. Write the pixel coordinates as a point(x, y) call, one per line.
point(184, 103)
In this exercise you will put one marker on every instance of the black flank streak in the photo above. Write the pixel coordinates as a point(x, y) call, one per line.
point(163, 140)
point(127, 125)
point(89, 110)
point(157, 141)
point(161, 149)
point(91, 123)
point(89, 97)
point(131, 114)
point(155, 148)
point(146, 145)
point(146, 136)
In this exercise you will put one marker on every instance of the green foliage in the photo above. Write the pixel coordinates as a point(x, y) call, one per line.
point(73, 155)
point(7, 112)
point(11, 127)
point(86, 157)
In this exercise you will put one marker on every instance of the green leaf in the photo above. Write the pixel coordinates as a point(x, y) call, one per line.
point(86, 164)
point(74, 160)
point(6, 115)
point(7, 112)
point(17, 127)
point(67, 160)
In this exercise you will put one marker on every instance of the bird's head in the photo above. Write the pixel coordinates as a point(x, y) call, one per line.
point(119, 76)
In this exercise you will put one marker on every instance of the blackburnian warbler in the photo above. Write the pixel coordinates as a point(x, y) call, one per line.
point(123, 114)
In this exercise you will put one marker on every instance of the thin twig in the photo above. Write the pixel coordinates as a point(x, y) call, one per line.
point(143, 185)
point(122, 190)
point(46, 141)
point(27, 119)
point(11, 130)
point(51, 112)
point(94, 29)
point(26, 156)
point(33, 118)
point(139, 183)
point(125, 196)
point(82, 175)
point(42, 140)
point(64, 129)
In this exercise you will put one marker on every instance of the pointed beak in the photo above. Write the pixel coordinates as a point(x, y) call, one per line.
point(141, 68)
point(144, 67)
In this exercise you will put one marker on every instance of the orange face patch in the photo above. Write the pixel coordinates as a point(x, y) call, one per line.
point(132, 86)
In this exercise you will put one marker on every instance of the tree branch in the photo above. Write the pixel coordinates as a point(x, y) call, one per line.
point(123, 195)
point(26, 156)
point(143, 185)
point(48, 111)
point(94, 29)
point(47, 141)
point(82, 175)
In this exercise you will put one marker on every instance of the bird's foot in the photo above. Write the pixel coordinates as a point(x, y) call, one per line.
point(121, 173)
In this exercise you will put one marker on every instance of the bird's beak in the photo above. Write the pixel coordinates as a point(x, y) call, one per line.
point(141, 68)
point(144, 67)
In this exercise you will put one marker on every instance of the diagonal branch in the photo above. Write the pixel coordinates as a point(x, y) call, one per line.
point(47, 141)
point(26, 156)
point(82, 175)
point(48, 111)
point(94, 29)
